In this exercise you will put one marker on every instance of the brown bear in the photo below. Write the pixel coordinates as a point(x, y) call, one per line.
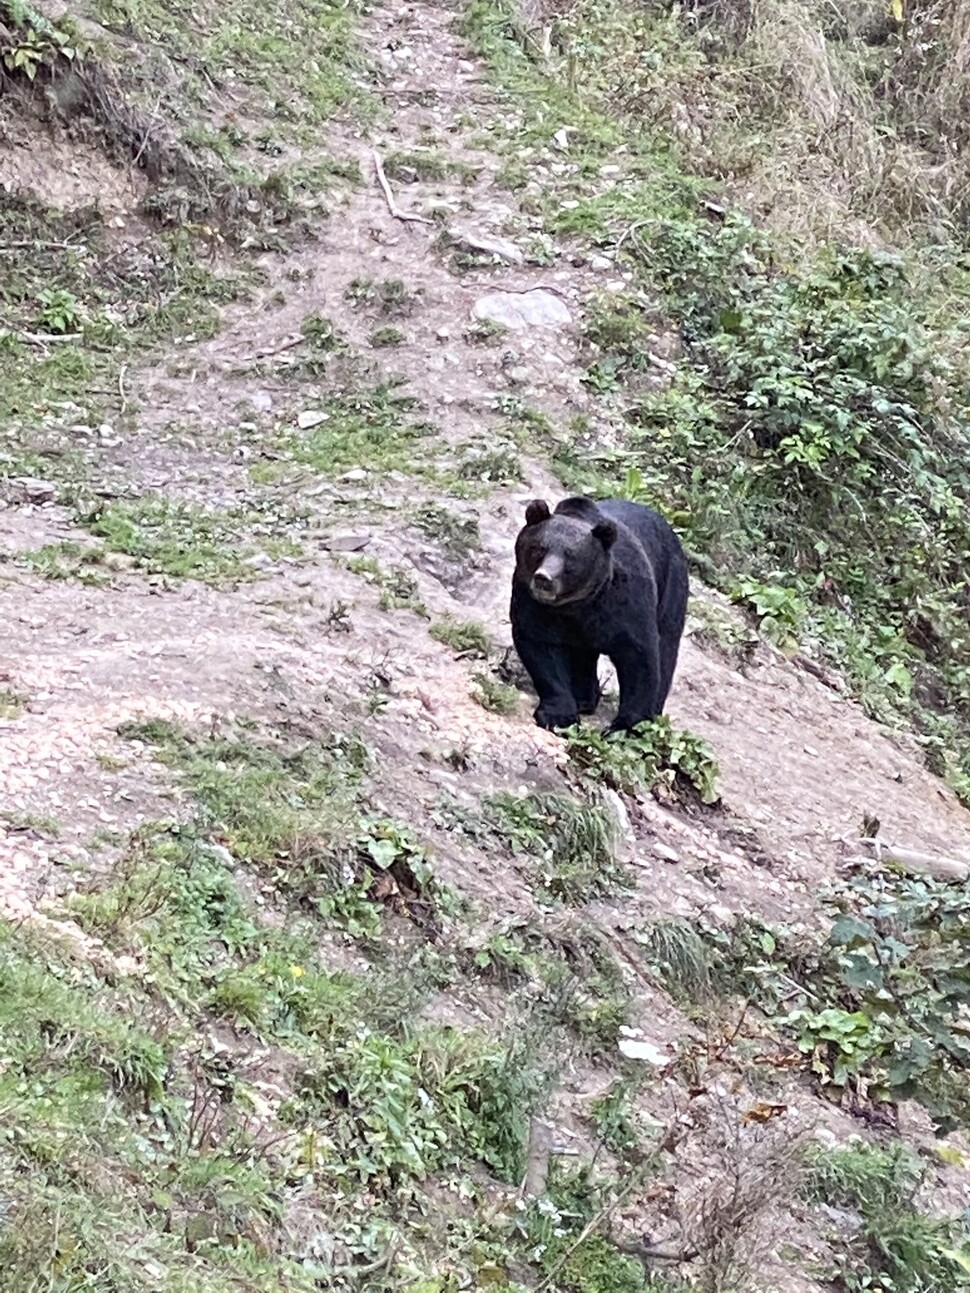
point(598, 578)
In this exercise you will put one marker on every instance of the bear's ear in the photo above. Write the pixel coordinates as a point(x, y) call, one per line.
point(605, 531)
point(537, 512)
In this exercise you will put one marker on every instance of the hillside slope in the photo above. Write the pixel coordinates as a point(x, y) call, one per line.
point(322, 966)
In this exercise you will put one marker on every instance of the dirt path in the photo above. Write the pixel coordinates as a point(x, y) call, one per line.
point(801, 765)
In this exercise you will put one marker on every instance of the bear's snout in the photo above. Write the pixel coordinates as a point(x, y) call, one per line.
point(547, 578)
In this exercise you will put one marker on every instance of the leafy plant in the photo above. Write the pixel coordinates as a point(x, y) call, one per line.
point(495, 696)
point(655, 755)
point(60, 311)
point(465, 637)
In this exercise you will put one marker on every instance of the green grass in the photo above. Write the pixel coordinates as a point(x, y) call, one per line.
point(182, 540)
point(457, 535)
point(100, 320)
point(12, 703)
point(165, 1112)
point(397, 587)
point(573, 842)
point(898, 1246)
point(495, 696)
point(376, 430)
point(464, 637)
point(68, 560)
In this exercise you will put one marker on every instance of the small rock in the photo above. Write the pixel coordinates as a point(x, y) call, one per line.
point(310, 418)
point(561, 138)
point(442, 334)
point(29, 489)
point(665, 852)
point(355, 474)
point(537, 308)
point(261, 401)
point(600, 262)
point(346, 542)
point(518, 376)
point(636, 1049)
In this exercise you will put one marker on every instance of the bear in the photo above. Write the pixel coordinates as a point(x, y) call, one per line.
point(598, 578)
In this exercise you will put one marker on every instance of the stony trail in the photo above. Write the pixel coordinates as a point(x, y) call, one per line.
point(305, 644)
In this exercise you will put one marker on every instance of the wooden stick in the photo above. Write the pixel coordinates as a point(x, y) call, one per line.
point(43, 338)
point(392, 206)
point(916, 862)
point(288, 344)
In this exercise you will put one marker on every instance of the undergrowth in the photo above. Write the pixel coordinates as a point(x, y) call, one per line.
point(811, 439)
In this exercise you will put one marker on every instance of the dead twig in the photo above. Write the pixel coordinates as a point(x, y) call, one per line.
point(29, 244)
point(121, 387)
point(288, 344)
point(392, 206)
point(915, 862)
point(629, 231)
point(45, 338)
point(518, 291)
point(732, 1036)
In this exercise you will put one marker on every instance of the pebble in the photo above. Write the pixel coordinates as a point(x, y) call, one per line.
point(346, 542)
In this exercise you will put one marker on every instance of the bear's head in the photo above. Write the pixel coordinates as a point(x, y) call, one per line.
point(560, 558)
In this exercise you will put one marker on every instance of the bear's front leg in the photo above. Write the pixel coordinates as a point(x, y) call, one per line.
point(548, 666)
point(637, 664)
point(585, 684)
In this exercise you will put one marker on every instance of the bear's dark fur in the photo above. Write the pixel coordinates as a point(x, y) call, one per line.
point(594, 579)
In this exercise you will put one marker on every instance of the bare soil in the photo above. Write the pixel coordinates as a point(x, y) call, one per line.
point(801, 764)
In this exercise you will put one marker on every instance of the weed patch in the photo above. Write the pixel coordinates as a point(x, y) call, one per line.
point(178, 540)
point(897, 1246)
point(672, 763)
point(457, 535)
point(369, 430)
point(495, 696)
point(466, 638)
point(574, 843)
point(398, 587)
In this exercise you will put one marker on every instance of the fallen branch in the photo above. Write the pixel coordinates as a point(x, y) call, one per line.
point(916, 862)
point(288, 344)
point(392, 206)
point(827, 677)
point(516, 291)
point(44, 338)
point(29, 244)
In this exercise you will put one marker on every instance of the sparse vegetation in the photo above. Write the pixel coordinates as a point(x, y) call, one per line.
point(249, 1036)
point(464, 637)
point(574, 843)
point(457, 535)
point(398, 587)
point(655, 756)
point(494, 695)
point(897, 1246)
point(387, 336)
